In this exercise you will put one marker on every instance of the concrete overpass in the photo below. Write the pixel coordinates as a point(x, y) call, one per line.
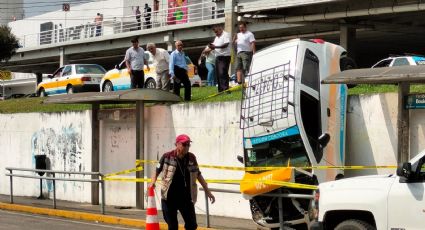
point(370, 30)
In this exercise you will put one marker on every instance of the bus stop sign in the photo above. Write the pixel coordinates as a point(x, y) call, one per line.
point(416, 101)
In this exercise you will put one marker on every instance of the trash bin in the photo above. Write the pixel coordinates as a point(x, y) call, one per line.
point(40, 163)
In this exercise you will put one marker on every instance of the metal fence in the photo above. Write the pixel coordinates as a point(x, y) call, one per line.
point(53, 178)
point(117, 25)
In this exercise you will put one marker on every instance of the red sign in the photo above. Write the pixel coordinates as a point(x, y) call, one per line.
point(66, 7)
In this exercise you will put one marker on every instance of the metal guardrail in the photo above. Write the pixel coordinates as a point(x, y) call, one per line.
point(279, 195)
point(53, 178)
point(206, 10)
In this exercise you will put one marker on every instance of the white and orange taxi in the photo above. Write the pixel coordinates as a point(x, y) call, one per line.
point(71, 79)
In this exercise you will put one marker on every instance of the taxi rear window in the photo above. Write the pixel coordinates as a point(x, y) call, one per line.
point(89, 69)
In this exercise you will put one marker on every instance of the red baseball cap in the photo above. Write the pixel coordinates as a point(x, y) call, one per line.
point(183, 138)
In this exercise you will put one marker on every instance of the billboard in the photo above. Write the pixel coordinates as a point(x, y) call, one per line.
point(177, 12)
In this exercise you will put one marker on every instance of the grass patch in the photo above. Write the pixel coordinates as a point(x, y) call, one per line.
point(199, 95)
point(29, 105)
point(371, 89)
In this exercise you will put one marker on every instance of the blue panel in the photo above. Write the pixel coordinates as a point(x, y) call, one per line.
point(281, 134)
point(121, 87)
point(343, 98)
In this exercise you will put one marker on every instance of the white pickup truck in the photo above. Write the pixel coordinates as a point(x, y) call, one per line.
point(395, 202)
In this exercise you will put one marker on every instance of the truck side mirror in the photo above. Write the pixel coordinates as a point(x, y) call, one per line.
point(324, 139)
point(240, 158)
point(405, 172)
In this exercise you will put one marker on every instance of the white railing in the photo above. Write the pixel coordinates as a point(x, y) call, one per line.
point(116, 25)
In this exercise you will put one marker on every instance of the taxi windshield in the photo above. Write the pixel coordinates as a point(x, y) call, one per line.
point(277, 153)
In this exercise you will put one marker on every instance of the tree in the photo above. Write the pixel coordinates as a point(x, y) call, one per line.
point(8, 43)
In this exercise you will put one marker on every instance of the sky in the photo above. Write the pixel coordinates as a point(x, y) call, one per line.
point(36, 7)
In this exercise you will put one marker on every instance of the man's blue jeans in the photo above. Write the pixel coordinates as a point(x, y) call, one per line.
point(211, 81)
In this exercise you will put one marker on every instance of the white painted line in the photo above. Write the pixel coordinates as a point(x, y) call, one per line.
point(65, 220)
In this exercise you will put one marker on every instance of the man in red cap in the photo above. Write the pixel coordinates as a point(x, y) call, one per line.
point(180, 171)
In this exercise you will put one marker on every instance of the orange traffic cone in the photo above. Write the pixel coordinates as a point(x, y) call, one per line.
point(151, 213)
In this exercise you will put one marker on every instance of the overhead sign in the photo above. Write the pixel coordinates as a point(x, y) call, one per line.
point(415, 101)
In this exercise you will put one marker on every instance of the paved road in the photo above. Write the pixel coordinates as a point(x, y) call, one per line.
point(21, 221)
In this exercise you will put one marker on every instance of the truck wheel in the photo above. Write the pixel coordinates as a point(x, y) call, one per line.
point(354, 225)
point(346, 63)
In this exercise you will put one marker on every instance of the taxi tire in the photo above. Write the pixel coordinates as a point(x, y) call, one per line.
point(42, 93)
point(108, 85)
point(69, 89)
point(150, 82)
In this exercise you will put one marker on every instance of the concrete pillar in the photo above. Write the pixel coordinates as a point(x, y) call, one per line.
point(169, 40)
point(140, 153)
point(63, 59)
point(95, 156)
point(347, 39)
point(230, 25)
point(403, 124)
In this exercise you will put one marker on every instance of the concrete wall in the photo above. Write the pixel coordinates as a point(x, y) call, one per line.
point(217, 140)
point(64, 137)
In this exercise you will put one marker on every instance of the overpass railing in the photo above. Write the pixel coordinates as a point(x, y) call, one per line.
point(117, 25)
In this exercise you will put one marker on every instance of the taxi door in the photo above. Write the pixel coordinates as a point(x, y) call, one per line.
point(51, 85)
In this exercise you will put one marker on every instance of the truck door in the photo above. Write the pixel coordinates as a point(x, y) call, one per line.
point(406, 201)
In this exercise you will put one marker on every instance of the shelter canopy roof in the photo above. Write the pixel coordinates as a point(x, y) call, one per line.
point(115, 97)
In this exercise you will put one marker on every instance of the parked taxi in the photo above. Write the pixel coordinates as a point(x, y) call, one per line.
point(119, 78)
point(72, 78)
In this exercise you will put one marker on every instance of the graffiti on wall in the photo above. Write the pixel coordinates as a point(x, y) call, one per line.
point(62, 146)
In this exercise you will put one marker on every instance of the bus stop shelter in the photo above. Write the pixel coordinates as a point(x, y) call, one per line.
point(137, 96)
point(403, 76)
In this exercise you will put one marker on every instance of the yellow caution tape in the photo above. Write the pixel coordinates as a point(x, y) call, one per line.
point(271, 182)
point(223, 167)
point(139, 162)
point(234, 88)
point(248, 169)
point(140, 168)
point(128, 179)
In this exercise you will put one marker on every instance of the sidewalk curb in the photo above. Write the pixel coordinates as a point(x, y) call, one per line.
point(84, 216)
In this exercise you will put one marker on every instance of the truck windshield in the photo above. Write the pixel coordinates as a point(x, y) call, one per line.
point(278, 153)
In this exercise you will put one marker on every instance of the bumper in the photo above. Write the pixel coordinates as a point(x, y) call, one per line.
point(316, 225)
point(87, 88)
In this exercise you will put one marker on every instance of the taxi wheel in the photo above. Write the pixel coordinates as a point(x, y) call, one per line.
point(69, 89)
point(108, 87)
point(150, 84)
point(42, 93)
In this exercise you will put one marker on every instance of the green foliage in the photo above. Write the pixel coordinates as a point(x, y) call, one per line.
point(8, 43)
